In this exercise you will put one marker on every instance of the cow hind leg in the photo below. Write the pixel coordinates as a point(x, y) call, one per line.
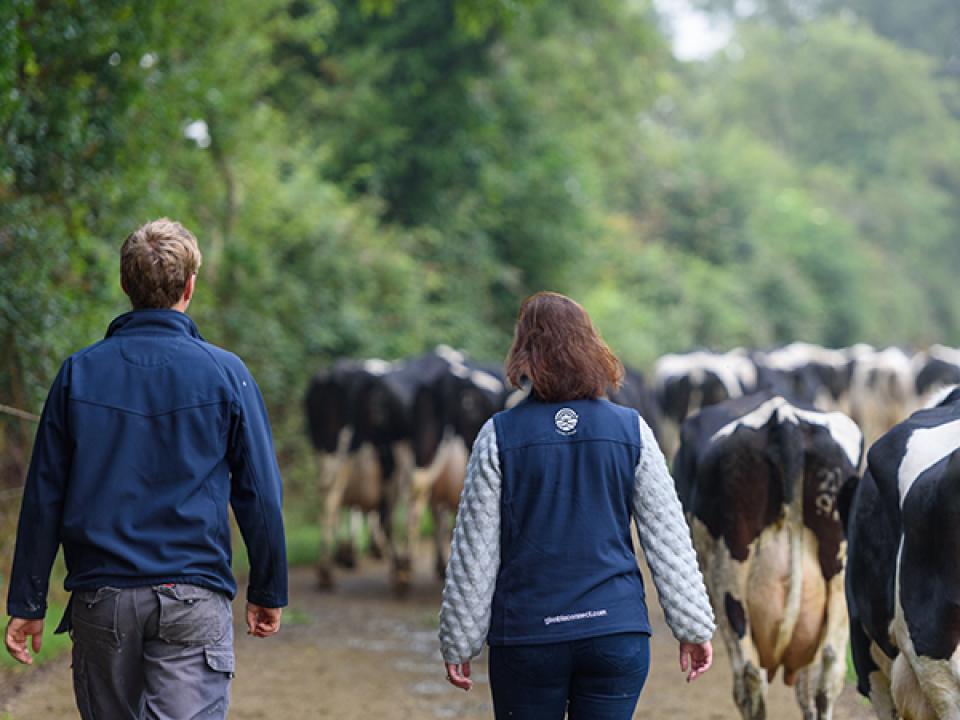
point(402, 575)
point(726, 581)
point(881, 697)
point(879, 689)
point(805, 686)
point(820, 683)
point(941, 685)
point(749, 677)
point(908, 696)
point(334, 477)
point(345, 554)
point(833, 670)
point(750, 691)
point(379, 540)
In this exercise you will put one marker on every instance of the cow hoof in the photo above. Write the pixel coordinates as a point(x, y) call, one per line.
point(402, 576)
point(345, 557)
point(325, 581)
point(401, 587)
point(376, 552)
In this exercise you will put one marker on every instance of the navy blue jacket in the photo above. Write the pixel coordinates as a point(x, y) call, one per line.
point(567, 566)
point(146, 438)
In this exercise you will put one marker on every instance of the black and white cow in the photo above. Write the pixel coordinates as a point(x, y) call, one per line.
point(635, 393)
point(387, 434)
point(903, 571)
point(355, 470)
point(448, 415)
point(687, 382)
point(759, 477)
point(881, 389)
point(936, 368)
point(683, 384)
point(807, 373)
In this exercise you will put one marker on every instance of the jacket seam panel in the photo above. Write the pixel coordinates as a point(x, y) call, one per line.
point(130, 411)
point(255, 481)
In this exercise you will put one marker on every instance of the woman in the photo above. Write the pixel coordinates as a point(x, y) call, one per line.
point(542, 564)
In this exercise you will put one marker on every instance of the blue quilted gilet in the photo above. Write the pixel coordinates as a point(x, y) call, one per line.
point(568, 569)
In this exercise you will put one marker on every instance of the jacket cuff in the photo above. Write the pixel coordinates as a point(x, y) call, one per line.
point(697, 639)
point(266, 599)
point(450, 655)
point(21, 611)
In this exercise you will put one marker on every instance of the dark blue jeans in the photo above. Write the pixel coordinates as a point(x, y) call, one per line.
point(592, 679)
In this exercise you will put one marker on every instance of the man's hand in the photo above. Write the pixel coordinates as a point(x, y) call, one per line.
point(18, 630)
point(459, 675)
point(263, 622)
point(697, 657)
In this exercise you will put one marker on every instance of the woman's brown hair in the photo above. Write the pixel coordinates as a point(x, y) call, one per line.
point(557, 349)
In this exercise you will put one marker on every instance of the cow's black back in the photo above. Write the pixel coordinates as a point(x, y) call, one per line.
point(926, 524)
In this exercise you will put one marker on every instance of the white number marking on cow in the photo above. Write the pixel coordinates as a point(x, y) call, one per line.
point(829, 482)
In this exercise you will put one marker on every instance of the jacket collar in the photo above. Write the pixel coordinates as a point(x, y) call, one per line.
point(155, 322)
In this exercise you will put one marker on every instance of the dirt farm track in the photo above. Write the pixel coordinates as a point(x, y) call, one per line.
point(359, 653)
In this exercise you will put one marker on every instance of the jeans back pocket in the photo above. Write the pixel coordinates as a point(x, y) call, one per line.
point(625, 653)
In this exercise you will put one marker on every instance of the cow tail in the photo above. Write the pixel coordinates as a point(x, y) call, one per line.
point(791, 446)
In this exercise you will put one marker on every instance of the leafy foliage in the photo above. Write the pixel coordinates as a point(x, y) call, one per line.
point(372, 178)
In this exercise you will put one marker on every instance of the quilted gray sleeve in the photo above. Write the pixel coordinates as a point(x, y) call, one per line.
point(474, 556)
point(666, 542)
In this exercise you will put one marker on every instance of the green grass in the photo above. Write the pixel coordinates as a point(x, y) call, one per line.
point(293, 616)
point(303, 544)
point(302, 513)
point(52, 647)
point(303, 547)
point(430, 619)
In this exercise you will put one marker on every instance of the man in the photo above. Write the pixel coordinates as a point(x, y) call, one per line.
point(145, 439)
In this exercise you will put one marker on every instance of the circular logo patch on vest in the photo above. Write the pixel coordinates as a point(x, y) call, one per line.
point(566, 421)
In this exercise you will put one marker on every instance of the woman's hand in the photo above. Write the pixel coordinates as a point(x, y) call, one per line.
point(459, 675)
point(697, 657)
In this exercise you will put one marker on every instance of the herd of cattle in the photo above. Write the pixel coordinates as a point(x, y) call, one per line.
point(803, 546)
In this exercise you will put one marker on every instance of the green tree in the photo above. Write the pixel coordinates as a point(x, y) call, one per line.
point(69, 77)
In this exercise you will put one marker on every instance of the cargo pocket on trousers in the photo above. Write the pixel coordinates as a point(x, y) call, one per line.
point(94, 616)
point(220, 659)
point(191, 615)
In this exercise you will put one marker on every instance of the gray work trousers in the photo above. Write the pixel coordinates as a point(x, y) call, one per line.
point(152, 653)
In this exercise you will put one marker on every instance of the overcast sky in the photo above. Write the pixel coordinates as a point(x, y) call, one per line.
point(695, 35)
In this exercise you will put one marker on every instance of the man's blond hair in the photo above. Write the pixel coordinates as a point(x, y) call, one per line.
point(156, 261)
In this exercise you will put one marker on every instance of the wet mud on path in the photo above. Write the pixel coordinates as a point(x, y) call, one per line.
point(360, 653)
